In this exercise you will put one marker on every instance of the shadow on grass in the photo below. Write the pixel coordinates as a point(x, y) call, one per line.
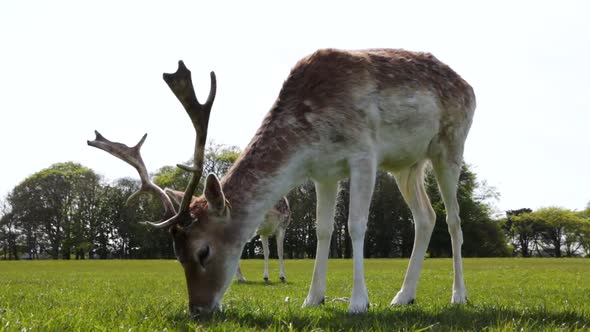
point(453, 317)
point(260, 282)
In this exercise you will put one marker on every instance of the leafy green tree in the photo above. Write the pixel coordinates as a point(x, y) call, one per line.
point(584, 234)
point(9, 232)
point(218, 159)
point(300, 239)
point(558, 231)
point(390, 227)
point(341, 244)
point(171, 177)
point(120, 216)
point(111, 230)
point(54, 198)
point(24, 228)
point(67, 211)
point(482, 236)
point(522, 234)
point(88, 195)
point(130, 238)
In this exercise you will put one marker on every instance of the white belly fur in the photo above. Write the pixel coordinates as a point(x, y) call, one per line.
point(399, 127)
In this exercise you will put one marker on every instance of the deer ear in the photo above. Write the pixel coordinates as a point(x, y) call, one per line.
point(214, 194)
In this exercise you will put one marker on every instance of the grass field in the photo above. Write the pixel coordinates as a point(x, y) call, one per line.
point(504, 294)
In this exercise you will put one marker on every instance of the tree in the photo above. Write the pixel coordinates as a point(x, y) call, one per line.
point(390, 227)
point(218, 160)
point(66, 210)
point(584, 233)
point(50, 205)
point(557, 231)
point(482, 236)
point(300, 238)
point(171, 177)
point(9, 232)
point(130, 238)
point(341, 244)
point(521, 233)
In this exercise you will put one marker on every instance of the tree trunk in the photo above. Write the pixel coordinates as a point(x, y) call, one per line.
point(347, 243)
point(558, 242)
point(524, 246)
point(15, 251)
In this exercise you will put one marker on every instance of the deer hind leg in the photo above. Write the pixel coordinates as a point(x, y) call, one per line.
point(239, 275)
point(411, 184)
point(266, 251)
point(362, 183)
point(447, 174)
point(326, 200)
point(280, 240)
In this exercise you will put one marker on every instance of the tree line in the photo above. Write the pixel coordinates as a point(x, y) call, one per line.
point(68, 211)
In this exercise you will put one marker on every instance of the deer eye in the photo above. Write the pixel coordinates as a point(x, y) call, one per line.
point(185, 222)
point(203, 255)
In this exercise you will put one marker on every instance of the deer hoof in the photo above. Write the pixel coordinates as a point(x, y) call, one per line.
point(459, 298)
point(359, 308)
point(311, 302)
point(402, 299)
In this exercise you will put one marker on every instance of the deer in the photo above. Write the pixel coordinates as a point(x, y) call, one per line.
point(339, 114)
point(275, 223)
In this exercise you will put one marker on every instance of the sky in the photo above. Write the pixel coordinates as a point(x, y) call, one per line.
point(70, 67)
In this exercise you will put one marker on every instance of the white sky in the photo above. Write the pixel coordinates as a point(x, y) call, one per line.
point(69, 67)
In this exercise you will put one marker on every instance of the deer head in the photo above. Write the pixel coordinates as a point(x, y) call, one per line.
point(199, 226)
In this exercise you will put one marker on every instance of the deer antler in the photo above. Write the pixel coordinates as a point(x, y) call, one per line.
point(132, 156)
point(181, 85)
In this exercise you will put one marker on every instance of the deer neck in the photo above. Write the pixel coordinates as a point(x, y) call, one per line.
point(269, 167)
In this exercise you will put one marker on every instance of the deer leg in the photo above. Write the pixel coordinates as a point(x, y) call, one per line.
point(411, 185)
point(239, 275)
point(362, 183)
point(326, 201)
point(447, 174)
point(266, 251)
point(280, 240)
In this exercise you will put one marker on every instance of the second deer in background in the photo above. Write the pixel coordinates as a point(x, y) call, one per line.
point(275, 223)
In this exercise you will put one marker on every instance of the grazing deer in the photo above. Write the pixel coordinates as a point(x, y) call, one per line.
point(339, 114)
point(275, 223)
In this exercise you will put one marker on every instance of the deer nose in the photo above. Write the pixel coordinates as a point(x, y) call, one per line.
point(197, 310)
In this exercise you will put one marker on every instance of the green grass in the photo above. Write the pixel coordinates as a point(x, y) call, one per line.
point(504, 294)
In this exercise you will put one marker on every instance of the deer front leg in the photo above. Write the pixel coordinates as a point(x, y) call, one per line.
point(362, 183)
point(326, 200)
point(280, 241)
point(266, 251)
